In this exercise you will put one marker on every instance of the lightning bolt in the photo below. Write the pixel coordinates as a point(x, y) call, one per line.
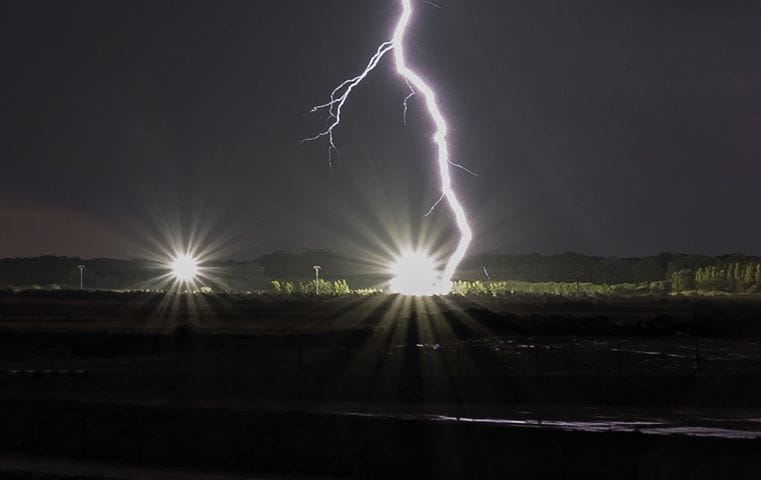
point(417, 86)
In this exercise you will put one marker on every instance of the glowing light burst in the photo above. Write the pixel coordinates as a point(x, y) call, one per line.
point(414, 274)
point(417, 86)
point(184, 268)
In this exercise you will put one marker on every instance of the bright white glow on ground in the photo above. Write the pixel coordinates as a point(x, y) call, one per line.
point(415, 273)
point(184, 268)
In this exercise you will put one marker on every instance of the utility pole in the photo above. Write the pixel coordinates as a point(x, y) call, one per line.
point(81, 276)
point(317, 279)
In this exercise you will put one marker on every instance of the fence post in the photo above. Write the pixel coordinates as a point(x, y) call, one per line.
point(459, 348)
point(32, 432)
point(83, 438)
point(193, 435)
point(140, 439)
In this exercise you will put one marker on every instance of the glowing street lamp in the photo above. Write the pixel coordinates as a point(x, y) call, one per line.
point(81, 276)
point(317, 269)
point(184, 268)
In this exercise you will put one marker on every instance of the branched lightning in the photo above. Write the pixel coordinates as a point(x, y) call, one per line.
point(338, 98)
point(417, 86)
point(406, 101)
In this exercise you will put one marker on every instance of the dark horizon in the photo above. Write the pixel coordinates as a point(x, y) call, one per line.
point(358, 254)
point(608, 128)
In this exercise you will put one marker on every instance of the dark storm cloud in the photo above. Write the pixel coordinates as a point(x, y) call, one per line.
point(47, 228)
point(605, 127)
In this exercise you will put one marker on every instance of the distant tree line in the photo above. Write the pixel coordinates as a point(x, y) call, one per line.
point(562, 274)
point(733, 277)
point(575, 267)
point(567, 267)
point(562, 289)
point(52, 272)
point(326, 287)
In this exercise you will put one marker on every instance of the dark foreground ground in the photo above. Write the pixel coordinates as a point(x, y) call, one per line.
point(105, 385)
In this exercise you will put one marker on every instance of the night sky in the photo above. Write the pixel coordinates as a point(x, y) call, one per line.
point(605, 127)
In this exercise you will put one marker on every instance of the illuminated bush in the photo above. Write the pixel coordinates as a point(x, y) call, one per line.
point(561, 289)
point(326, 287)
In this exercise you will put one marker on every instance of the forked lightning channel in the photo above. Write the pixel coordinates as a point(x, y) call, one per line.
point(418, 86)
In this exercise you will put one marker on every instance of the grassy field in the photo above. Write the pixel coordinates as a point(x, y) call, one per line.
point(477, 386)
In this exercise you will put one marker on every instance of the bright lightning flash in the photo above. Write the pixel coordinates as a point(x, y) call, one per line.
point(184, 268)
point(417, 86)
point(414, 274)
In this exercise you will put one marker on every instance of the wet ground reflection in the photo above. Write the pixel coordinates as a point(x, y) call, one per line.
point(691, 423)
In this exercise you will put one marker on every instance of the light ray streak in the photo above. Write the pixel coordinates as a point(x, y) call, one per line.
point(486, 272)
point(340, 95)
